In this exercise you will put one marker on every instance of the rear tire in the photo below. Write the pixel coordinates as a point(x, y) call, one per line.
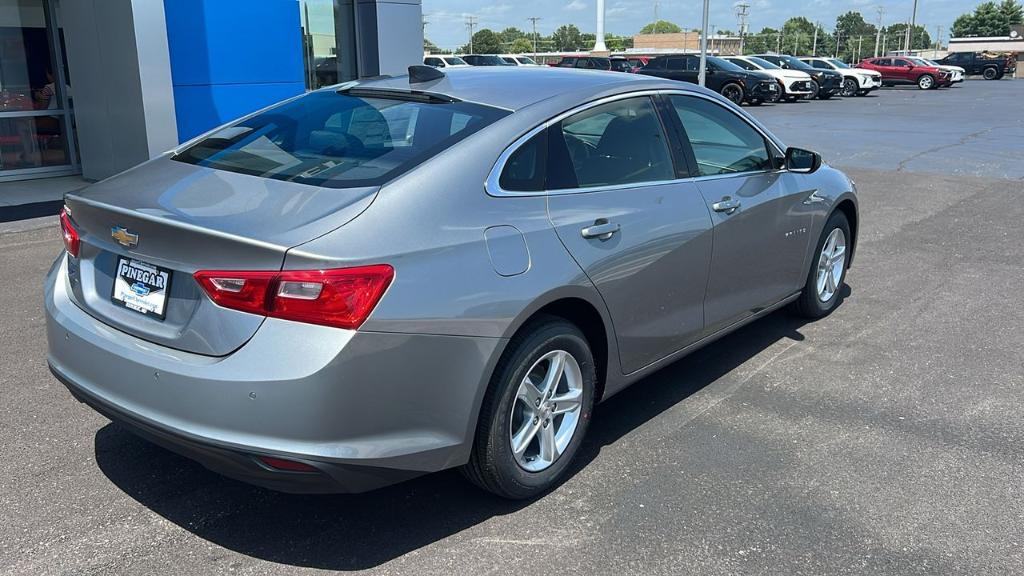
point(827, 271)
point(510, 410)
point(990, 73)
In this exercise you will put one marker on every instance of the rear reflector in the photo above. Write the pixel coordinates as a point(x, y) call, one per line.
point(72, 241)
point(342, 297)
point(286, 465)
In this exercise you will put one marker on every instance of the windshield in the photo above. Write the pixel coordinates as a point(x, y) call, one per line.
point(838, 63)
point(763, 63)
point(723, 64)
point(931, 62)
point(489, 60)
point(918, 61)
point(455, 61)
point(794, 63)
point(339, 140)
point(525, 60)
point(510, 60)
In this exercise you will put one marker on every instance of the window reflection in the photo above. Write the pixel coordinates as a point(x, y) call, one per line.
point(328, 32)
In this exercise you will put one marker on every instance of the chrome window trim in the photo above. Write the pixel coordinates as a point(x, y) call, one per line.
point(493, 187)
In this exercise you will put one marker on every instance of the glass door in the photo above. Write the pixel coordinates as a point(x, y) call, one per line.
point(36, 122)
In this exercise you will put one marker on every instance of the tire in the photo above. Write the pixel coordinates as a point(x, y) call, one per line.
point(815, 90)
point(926, 82)
point(492, 464)
point(850, 87)
point(813, 301)
point(733, 92)
point(990, 73)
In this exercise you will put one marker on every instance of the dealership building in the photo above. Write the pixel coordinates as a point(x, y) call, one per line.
point(93, 87)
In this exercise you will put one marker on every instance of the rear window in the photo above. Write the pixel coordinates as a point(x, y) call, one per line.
point(340, 140)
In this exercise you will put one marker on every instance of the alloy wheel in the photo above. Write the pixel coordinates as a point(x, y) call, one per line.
point(925, 82)
point(831, 263)
point(546, 411)
point(849, 87)
point(733, 93)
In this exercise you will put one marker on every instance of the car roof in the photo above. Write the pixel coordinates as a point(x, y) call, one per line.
point(514, 87)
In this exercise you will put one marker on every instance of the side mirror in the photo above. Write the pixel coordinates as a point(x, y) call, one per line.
point(910, 66)
point(804, 161)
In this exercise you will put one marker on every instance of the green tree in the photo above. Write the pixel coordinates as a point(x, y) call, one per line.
point(567, 37)
point(511, 34)
point(989, 19)
point(661, 27)
point(895, 36)
point(521, 46)
point(797, 36)
point(761, 42)
point(618, 43)
point(485, 41)
point(856, 37)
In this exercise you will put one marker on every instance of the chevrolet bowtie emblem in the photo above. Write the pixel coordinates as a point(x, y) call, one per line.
point(123, 237)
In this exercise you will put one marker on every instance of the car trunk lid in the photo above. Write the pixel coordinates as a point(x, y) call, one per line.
point(180, 218)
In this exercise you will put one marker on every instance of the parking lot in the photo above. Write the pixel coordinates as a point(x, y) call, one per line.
point(887, 438)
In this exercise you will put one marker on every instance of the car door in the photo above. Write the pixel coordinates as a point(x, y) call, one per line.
point(761, 224)
point(904, 70)
point(640, 233)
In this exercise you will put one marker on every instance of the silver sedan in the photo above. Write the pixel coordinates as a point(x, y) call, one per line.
point(393, 277)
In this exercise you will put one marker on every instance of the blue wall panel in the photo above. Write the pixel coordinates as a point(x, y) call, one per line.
point(230, 57)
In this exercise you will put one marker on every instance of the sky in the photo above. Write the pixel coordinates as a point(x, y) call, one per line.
point(446, 18)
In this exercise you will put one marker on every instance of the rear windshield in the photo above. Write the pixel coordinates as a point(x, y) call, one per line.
point(340, 140)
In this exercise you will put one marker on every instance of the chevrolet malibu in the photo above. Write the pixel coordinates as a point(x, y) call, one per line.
point(388, 278)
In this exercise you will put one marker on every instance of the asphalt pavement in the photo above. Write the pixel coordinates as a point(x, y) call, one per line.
point(886, 438)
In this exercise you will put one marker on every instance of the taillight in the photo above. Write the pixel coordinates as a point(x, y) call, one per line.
point(343, 297)
point(72, 241)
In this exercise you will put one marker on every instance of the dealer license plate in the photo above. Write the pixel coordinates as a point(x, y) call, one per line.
point(142, 287)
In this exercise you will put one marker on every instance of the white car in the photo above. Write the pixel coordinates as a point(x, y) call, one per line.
point(518, 60)
point(445, 62)
point(856, 81)
point(794, 83)
point(956, 73)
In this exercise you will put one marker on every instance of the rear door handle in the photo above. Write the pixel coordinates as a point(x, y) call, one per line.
point(727, 205)
point(602, 229)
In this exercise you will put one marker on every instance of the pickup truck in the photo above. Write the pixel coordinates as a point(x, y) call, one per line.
point(978, 64)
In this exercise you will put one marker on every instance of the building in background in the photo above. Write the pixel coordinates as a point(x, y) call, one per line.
point(718, 44)
point(97, 86)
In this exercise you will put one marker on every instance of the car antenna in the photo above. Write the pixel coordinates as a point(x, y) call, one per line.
point(419, 73)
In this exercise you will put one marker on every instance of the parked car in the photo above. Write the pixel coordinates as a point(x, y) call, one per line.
point(976, 63)
point(793, 84)
point(957, 74)
point(445, 62)
point(824, 83)
point(856, 81)
point(900, 70)
point(726, 78)
point(637, 62)
point(309, 300)
point(518, 60)
point(484, 60)
point(614, 63)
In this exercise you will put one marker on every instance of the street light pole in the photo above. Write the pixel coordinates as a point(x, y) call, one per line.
point(703, 46)
point(599, 43)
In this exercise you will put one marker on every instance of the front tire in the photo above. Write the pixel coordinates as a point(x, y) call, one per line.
point(815, 90)
point(734, 92)
point(850, 87)
point(536, 411)
point(926, 82)
point(828, 269)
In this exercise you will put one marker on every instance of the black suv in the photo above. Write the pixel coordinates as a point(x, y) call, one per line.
point(826, 83)
point(484, 60)
point(615, 63)
point(726, 78)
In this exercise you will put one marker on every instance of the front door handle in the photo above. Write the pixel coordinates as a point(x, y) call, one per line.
point(602, 229)
point(727, 205)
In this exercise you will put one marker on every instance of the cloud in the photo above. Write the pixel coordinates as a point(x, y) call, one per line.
point(576, 6)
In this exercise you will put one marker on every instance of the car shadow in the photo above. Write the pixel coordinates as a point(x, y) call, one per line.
point(361, 531)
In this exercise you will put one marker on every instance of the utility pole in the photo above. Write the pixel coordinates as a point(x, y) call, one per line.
point(470, 23)
point(814, 45)
point(599, 41)
point(860, 40)
point(938, 38)
point(878, 33)
point(910, 28)
point(885, 39)
point(656, 4)
point(741, 14)
point(778, 42)
point(703, 45)
point(711, 40)
point(533, 20)
point(796, 44)
point(839, 35)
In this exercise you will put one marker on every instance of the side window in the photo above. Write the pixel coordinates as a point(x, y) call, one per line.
point(524, 170)
point(902, 62)
point(621, 142)
point(883, 62)
point(435, 62)
point(693, 64)
point(819, 64)
point(722, 142)
point(676, 64)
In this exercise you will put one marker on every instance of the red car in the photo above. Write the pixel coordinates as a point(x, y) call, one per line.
point(898, 70)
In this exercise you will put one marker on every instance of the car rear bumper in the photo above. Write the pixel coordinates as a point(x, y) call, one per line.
point(767, 90)
point(365, 409)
